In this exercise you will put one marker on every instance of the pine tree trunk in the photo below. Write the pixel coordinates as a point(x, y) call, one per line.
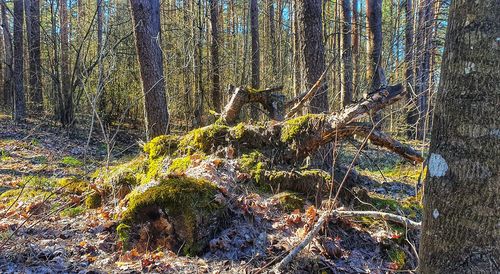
point(374, 47)
point(355, 48)
point(35, 67)
point(214, 51)
point(346, 69)
point(66, 104)
point(7, 59)
point(255, 51)
point(272, 42)
point(146, 19)
point(18, 79)
point(412, 115)
point(462, 190)
point(311, 39)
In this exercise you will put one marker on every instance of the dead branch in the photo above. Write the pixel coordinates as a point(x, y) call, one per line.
point(379, 215)
point(272, 102)
point(346, 214)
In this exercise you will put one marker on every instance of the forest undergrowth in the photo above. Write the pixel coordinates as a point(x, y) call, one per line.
point(58, 215)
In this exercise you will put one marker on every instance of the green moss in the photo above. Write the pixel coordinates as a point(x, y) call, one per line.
point(253, 163)
point(128, 174)
point(203, 139)
point(154, 168)
point(397, 256)
point(182, 199)
point(238, 131)
point(289, 201)
point(72, 185)
point(161, 146)
point(179, 165)
point(294, 126)
point(72, 211)
point(123, 232)
point(38, 182)
point(28, 194)
point(93, 200)
point(71, 161)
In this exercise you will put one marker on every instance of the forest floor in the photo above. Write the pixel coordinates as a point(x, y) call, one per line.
point(46, 227)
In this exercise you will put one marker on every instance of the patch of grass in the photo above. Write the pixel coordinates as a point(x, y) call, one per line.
point(71, 161)
point(39, 160)
point(4, 155)
point(72, 211)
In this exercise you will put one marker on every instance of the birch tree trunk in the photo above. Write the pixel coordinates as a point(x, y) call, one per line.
point(462, 190)
point(146, 21)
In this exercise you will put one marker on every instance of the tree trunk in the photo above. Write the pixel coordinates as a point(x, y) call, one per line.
point(311, 39)
point(100, 66)
point(374, 47)
point(214, 50)
point(462, 190)
point(355, 47)
point(35, 67)
point(412, 115)
point(346, 69)
point(18, 79)
point(7, 67)
point(272, 41)
point(255, 57)
point(197, 69)
point(66, 104)
point(146, 21)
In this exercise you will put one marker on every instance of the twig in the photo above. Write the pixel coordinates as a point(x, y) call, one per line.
point(379, 215)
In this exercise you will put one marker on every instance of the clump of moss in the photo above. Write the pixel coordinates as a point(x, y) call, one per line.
point(294, 126)
point(289, 201)
point(253, 163)
point(72, 211)
point(187, 203)
point(123, 232)
point(238, 131)
point(71, 161)
point(203, 139)
point(397, 256)
point(93, 200)
point(72, 185)
point(161, 146)
point(179, 165)
point(128, 174)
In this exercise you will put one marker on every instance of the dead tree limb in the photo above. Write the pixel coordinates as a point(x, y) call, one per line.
point(272, 102)
point(346, 214)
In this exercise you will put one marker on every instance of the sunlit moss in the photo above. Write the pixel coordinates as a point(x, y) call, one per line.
point(291, 128)
point(93, 200)
point(161, 146)
point(71, 161)
point(179, 165)
point(202, 139)
point(183, 199)
point(72, 211)
point(72, 185)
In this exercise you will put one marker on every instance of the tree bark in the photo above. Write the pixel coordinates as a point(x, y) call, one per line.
point(255, 54)
point(35, 63)
point(146, 21)
point(311, 39)
point(412, 115)
point(272, 41)
point(355, 47)
point(66, 111)
point(18, 79)
point(374, 47)
point(346, 69)
point(214, 50)
point(197, 66)
point(7, 67)
point(462, 190)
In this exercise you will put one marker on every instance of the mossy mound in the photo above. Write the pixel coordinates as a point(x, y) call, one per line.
point(161, 146)
point(93, 200)
point(292, 128)
point(181, 212)
point(72, 185)
point(203, 139)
